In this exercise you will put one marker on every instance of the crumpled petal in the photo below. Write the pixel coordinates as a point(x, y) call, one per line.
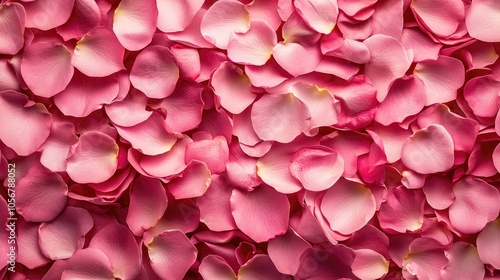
point(176, 15)
point(320, 15)
point(464, 262)
point(403, 210)
point(253, 47)
point(482, 17)
point(488, 244)
point(132, 28)
point(12, 24)
point(45, 15)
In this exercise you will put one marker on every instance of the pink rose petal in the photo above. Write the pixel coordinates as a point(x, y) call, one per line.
point(464, 262)
point(321, 15)
point(488, 244)
point(12, 24)
point(47, 15)
point(176, 15)
point(482, 17)
point(255, 46)
point(132, 28)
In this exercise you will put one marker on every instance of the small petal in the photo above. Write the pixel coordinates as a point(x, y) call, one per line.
point(481, 94)
point(425, 259)
point(306, 58)
point(213, 267)
point(133, 29)
point(369, 264)
point(214, 153)
point(260, 267)
point(285, 251)
point(85, 16)
point(439, 192)
point(255, 46)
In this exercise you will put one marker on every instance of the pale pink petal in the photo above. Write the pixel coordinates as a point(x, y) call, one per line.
point(335, 45)
point(369, 264)
point(214, 153)
point(338, 67)
point(441, 22)
point(482, 17)
point(425, 259)
point(393, 138)
point(169, 163)
point(56, 149)
point(230, 84)
point(296, 30)
point(306, 58)
point(150, 136)
point(12, 19)
point(262, 213)
point(188, 60)
point(388, 18)
point(266, 10)
point(442, 78)
point(85, 16)
point(64, 236)
point(476, 204)
point(85, 95)
point(118, 243)
point(35, 190)
point(320, 102)
point(23, 128)
point(133, 29)
point(171, 254)
point(429, 150)
point(406, 97)
point(255, 46)
point(350, 145)
point(439, 192)
point(488, 244)
point(194, 181)
point(223, 19)
point(280, 117)
point(45, 15)
point(241, 170)
point(176, 15)
point(403, 210)
point(130, 111)
point(317, 168)
point(155, 72)
point(422, 46)
point(464, 263)
point(321, 15)
point(95, 158)
point(28, 252)
point(148, 202)
point(348, 206)
point(481, 94)
point(388, 61)
point(285, 251)
point(98, 53)
point(46, 67)
point(88, 264)
point(191, 35)
point(331, 263)
point(215, 208)
point(268, 75)
point(260, 267)
point(213, 267)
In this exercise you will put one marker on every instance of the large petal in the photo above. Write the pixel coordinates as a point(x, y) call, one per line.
point(134, 23)
point(23, 128)
point(464, 263)
point(262, 213)
point(425, 259)
point(95, 158)
point(320, 15)
point(56, 149)
point(488, 244)
point(285, 251)
point(45, 15)
point(439, 192)
point(176, 15)
point(12, 19)
point(129, 111)
point(28, 250)
point(306, 58)
point(213, 267)
point(440, 22)
point(88, 264)
point(481, 94)
point(403, 210)
point(255, 46)
point(482, 17)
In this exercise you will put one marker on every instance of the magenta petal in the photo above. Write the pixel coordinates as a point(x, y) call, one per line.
point(171, 254)
point(488, 244)
point(464, 263)
point(439, 192)
point(40, 16)
point(482, 17)
point(320, 15)
point(90, 264)
point(132, 28)
point(12, 19)
point(194, 181)
point(176, 15)
point(62, 237)
point(285, 251)
point(213, 267)
point(403, 210)
point(262, 213)
point(255, 46)
point(260, 267)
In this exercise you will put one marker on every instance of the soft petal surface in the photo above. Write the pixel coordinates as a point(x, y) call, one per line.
point(194, 182)
point(12, 24)
point(481, 17)
point(88, 264)
point(132, 28)
point(464, 263)
point(260, 267)
point(439, 22)
point(403, 210)
point(213, 152)
point(369, 264)
point(255, 46)
point(215, 206)
point(176, 15)
point(85, 16)
point(488, 244)
point(320, 15)
point(320, 102)
point(213, 267)
point(285, 251)
point(425, 259)
point(47, 15)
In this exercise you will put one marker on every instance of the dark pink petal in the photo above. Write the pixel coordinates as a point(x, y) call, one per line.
point(317, 168)
point(496, 157)
point(307, 58)
point(369, 237)
point(406, 97)
point(482, 17)
point(85, 95)
point(255, 46)
point(98, 53)
point(132, 28)
point(213, 267)
point(260, 267)
point(464, 263)
point(422, 46)
point(4, 234)
point(442, 78)
point(155, 72)
point(85, 16)
point(64, 236)
point(12, 19)
point(28, 250)
point(215, 207)
point(436, 19)
point(129, 111)
point(320, 15)
point(429, 150)
point(171, 254)
point(262, 213)
point(403, 210)
point(223, 19)
point(148, 202)
point(241, 170)
point(285, 251)
point(290, 117)
point(46, 67)
point(47, 15)
point(476, 204)
point(488, 244)
point(95, 158)
point(150, 136)
point(481, 94)
point(439, 192)
point(369, 264)
point(35, 189)
point(23, 128)
point(90, 264)
point(425, 259)
point(214, 153)
point(348, 206)
point(230, 84)
point(176, 15)
point(194, 181)
point(118, 243)
point(331, 263)
point(388, 61)
point(320, 102)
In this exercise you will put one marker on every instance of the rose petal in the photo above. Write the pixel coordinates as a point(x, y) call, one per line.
point(132, 28)
point(194, 182)
point(130, 111)
point(255, 46)
point(488, 244)
point(214, 153)
point(85, 16)
point(369, 264)
point(90, 264)
point(464, 262)
point(425, 259)
point(306, 58)
point(320, 15)
point(260, 267)
point(320, 102)
point(439, 192)
point(483, 16)
point(176, 15)
point(28, 250)
point(12, 24)
point(441, 23)
point(213, 267)
point(47, 15)
point(285, 251)
point(403, 210)
point(481, 94)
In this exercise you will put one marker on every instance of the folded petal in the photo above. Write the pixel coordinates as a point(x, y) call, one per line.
point(320, 102)
point(290, 117)
point(488, 244)
point(171, 254)
point(23, 128)
point(47, 14)
point(369, 264)
point(262, 213)
point(133, 29)
point(90, 264)
point(476, 204)
point(194, 181)
point(215, 206)
point(241, 170)
point(223, 19)
point(285, 251)
point(214, 153)
point(306, 58)
point(429, 150)
point(95, 158)
point(191, 35)
point(464, 262)
point(98, 53)
point(393, 137)
point(176, 15)
point(169, 163)
point(403, 210)
point(8, 79)
point(266, 10)
point(425, 259)
point(320, 15)
point(442, 78)
point(85, 16)
point(46, 67)
point(12, 23)
point(482, 17)
point(439, 22)
point(154, 72)
point(64, 236)
point(260, 267)
point(268, 75)
point(253, 47)
point(38, 187)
